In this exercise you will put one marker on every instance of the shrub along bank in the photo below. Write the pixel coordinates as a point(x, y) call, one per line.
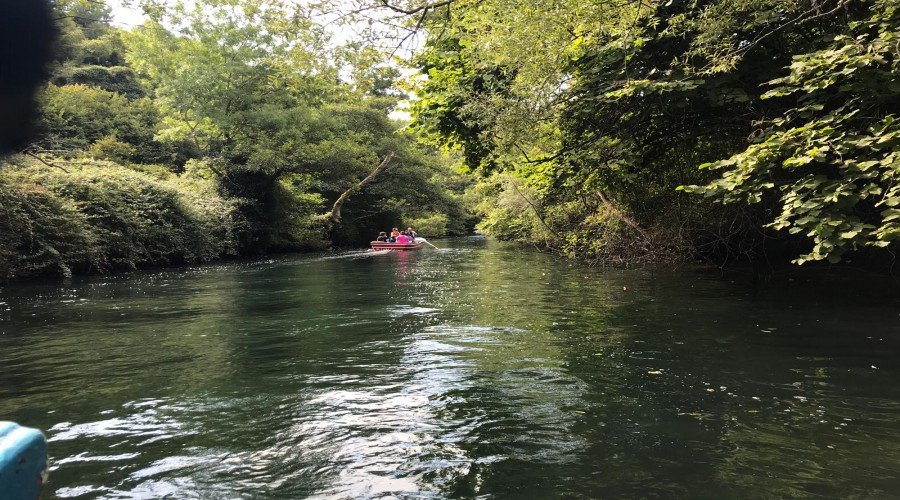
point(99, 216)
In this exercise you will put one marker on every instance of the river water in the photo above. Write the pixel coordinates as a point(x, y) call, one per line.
point(472, 370)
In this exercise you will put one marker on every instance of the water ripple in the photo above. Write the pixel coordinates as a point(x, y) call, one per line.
point(468, 371)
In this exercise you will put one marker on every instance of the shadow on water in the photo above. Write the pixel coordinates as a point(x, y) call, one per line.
point(469, 370)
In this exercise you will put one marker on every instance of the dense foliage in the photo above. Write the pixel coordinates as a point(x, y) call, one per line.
point(832, 157)
point(100, 216)
point(762, 130)
point(216, 128)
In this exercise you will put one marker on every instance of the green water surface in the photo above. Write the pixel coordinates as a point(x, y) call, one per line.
point(475, 370)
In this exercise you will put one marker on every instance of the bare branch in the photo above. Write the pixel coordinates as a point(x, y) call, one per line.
point(534, 207)
point(45, 162)
point(336, 209)
point(411, 34)
point(622, 215)
point(416, 10)
point(800, 19)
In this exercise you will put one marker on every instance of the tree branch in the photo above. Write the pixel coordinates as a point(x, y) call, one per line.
point(534, 207)
point(416, 10)
point(336, 208)
point(622, 215)
point(800, 19)
point(45, 162)
point(412, 33)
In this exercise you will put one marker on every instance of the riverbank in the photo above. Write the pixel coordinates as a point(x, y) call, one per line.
point(86, 216)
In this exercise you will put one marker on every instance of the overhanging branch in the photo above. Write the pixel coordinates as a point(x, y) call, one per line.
point(336, 208)
point(416, 10)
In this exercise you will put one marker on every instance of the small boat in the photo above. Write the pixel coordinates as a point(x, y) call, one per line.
point(23, 462)
point(383, 245)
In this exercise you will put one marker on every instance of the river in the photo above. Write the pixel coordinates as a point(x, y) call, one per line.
point(471, 370)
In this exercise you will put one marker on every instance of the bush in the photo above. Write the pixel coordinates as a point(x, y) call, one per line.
point(41, 233)
point(115, 79)
point(433, 226)
point(505, 211)
point(76, 116)
point(100, 215)
point(110, 148)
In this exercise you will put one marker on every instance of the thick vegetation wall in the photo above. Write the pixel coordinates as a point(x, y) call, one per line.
point(99, 216)
point(725, 130)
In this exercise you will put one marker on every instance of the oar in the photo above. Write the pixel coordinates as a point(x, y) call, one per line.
point(429, 243)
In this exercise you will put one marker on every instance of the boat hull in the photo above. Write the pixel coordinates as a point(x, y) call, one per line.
point(23, 462)
point(381, 245)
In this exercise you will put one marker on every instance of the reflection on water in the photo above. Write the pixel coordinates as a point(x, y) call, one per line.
point(465, 371)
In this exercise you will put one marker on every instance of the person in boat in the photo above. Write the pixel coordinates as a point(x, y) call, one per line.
point(382, 236)
point(394, 233)
point(412, 234)
point(403, 239)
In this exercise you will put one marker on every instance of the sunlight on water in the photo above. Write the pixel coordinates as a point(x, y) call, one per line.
point(464, 371)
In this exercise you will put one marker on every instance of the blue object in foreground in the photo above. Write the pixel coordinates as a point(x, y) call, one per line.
point(23, 462)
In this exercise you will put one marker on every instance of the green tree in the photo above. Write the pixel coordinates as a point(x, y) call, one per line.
point(254, 86)
point(616, 105)
point(829, 165)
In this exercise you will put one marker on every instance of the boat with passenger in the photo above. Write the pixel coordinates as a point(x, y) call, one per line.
point(383, 245)
point(398, 240)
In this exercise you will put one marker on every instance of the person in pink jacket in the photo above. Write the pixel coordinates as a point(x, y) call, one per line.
point(403, 239)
